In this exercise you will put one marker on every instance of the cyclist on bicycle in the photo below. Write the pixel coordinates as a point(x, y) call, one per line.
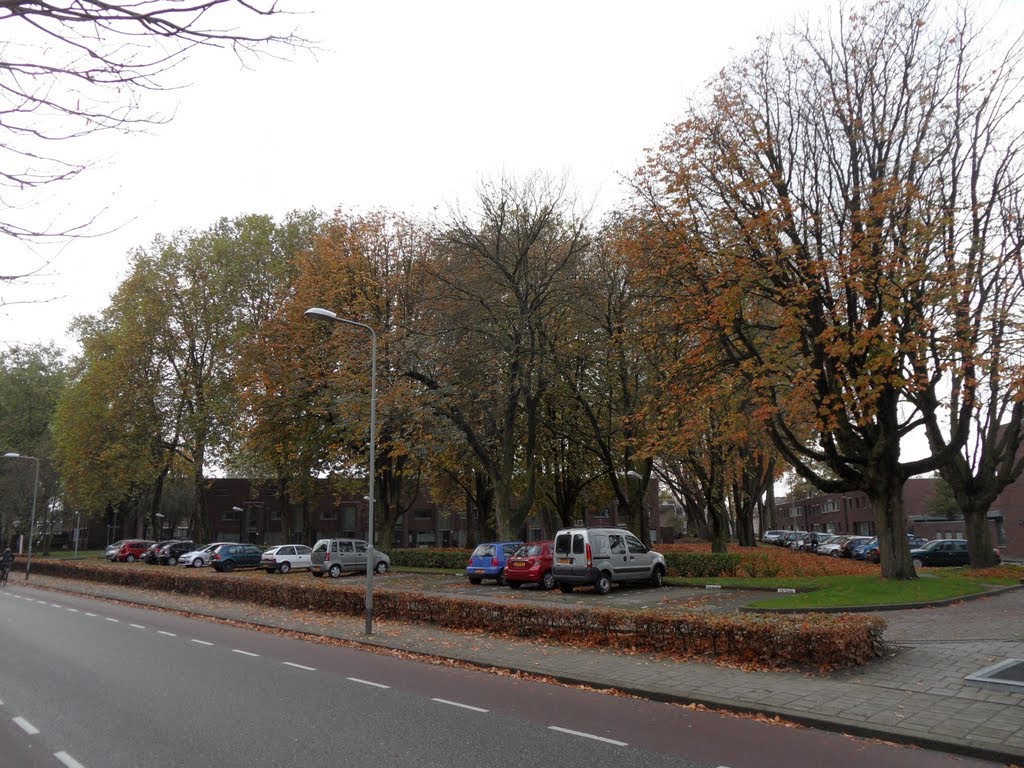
point(6, 559)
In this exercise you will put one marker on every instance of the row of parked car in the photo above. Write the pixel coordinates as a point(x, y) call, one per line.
point(328, 556)
point(938, 552)
point(597, 557)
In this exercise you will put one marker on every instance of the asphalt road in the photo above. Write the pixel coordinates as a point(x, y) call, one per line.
point(98, 684)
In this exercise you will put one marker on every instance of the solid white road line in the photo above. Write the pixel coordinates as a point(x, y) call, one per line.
point(588, 736)
point(201, 642)
point(299, 666)
point(26, 726)
point(244, 653)
point(162, 632)
point(67, 760)
point(367, 682)
point(457, 704)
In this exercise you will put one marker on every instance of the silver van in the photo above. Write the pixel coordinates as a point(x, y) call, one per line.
point(337, 556)
point(603, 556)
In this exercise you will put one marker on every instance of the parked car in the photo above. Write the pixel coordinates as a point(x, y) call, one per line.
point(944, 552)
point(199, 556)
point(916, 542)
point(228, 557)
point(770, 537)
point(531, 564)
point(790, 536)
point(603, 556)
point(337, 556)
point(489, 559)
point(152, 553)
point(860, 551)
point(131, 549)
point(113, 549)
point(833, 547)
point(168, 554)
point(852, 543)
point(286, 557)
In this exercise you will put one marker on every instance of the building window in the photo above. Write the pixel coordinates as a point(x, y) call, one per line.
point(231, 515)
point(274, 514)
point(831, 506)
point(329, 514)
point(424, 514)
point(864, 528)
point(603, 513)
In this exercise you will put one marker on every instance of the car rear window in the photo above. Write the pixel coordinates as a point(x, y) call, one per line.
point(484, 550)
point(562, 543)
point(530, 550)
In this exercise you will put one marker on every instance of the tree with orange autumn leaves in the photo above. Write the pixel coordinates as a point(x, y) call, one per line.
point(830, 225)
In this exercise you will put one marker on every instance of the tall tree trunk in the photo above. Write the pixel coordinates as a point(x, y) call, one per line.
point(979, 534)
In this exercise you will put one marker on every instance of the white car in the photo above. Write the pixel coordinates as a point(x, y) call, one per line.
point(833, 547)
point(197, 558)
point(286, 557)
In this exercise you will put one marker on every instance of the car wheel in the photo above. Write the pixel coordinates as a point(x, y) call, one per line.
point(130, 559)
point(500, 578)
point(173, 561)
point(918, 563)
point(382, 567)
point(197, 563)
point(334, 571)
point(515, 584)
point(658, 577)
point(547, 581)
point(475, 581)
point(603, 585)
point(227, 565)
point(834, 553)
point(566, 588)
point(284, 567)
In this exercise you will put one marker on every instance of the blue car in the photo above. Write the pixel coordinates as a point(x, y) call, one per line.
point(860, 552)
point(488, 561)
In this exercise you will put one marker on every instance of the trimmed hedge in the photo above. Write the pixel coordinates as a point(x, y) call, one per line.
point(824, 641)
point(447, 559)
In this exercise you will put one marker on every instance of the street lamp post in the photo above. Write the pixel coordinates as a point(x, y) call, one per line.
point(371, 558)
point(78, 532)
point(32, 517)
point(160, 522)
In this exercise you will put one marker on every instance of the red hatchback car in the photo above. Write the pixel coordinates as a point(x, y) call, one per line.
point(531, 564)
point(132, 550)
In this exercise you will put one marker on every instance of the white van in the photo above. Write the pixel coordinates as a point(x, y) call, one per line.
point(603, 556)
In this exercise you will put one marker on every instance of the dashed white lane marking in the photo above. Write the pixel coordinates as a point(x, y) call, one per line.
point(73, 610)
point(54, 605)
point(201, 642)
point(588, 736)
point(90, 614)
point(116, 621)
point(367, 682)
point(67, 760)
point(162, 632)
point(137, 626)
point(299, 666)
point(457, 704)
point(244, 653)
point(26, 726)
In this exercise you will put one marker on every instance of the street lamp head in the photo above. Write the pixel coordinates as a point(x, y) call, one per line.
point(237, 509)
point(159, 514)
point(12, 455)
point(318, 313)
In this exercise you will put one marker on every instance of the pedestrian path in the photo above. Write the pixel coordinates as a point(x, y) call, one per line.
point(916, 694)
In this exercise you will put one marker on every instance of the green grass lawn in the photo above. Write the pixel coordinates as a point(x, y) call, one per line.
point(842, 591)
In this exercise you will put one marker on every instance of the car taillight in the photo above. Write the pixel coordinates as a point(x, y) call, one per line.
point(327, 557)
point(216, 556)
point(470, 561)
point(590, 557)
point(494, 562)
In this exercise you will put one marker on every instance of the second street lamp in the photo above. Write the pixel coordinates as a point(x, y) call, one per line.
point(32, 517)
point(326, 315)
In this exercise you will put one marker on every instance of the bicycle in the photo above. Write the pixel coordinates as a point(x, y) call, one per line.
point(5, 570)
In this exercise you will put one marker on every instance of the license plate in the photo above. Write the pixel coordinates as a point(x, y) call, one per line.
point(518, 563)
point(565, 561)
point(479, 570)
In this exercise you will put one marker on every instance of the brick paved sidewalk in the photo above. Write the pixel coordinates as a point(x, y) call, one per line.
point(916, 694)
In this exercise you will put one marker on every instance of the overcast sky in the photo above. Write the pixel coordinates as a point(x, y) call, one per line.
point(409, 106)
